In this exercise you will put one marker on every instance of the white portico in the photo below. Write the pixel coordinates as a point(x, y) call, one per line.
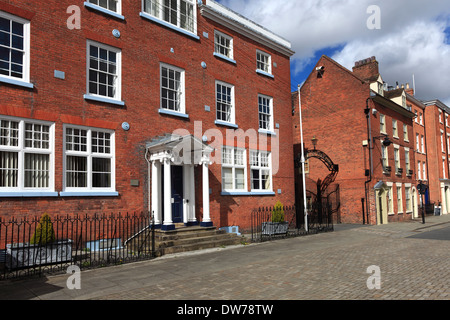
point(172, 161)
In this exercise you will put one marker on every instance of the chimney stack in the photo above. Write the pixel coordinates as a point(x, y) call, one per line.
point(366, 68)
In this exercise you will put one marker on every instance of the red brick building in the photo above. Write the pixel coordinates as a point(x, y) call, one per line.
point(177, 107)
point(420, 167)
point(437, 130)
point(351, 113)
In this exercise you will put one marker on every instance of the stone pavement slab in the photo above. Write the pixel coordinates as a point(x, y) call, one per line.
point(327, 266)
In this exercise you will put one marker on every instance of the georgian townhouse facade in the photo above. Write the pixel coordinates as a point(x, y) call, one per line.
point(351, 114)
point(437, 129)
point(420, 167)
point(180, 108)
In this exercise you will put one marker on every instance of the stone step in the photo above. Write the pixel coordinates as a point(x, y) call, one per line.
point(199, 246)
point(184, 239)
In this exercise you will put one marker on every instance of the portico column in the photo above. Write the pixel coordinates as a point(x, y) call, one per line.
point(206, 221)
point(156, 191)
point(168, 223)
point(192, 219)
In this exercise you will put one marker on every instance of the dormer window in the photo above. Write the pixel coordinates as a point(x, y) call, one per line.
point(380, 88)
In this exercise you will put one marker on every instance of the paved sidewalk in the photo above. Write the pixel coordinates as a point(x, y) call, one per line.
point(414, 263)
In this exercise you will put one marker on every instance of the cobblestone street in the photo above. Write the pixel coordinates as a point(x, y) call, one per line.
point(413, 259)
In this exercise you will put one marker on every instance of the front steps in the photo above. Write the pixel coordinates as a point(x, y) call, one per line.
point(184, 239)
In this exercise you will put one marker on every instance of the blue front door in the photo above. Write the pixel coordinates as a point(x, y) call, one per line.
point(177, 193)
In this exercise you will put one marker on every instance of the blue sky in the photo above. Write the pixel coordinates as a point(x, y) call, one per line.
point(413, 39)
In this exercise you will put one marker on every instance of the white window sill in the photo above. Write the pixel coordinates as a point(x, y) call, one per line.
point(226, 124)
point(174, 113)
point(268, 132)
point(168, 25)
point(246, 193)
point(89, 194)
point(103, 100)
point(221, 56)
point(29, 194)
point(103, 10)
point(265, 73)
point(17, 82)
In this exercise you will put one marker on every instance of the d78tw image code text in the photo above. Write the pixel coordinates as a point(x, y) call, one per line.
point(227, 310)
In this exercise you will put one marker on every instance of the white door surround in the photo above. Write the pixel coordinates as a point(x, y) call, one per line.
point(187, 152)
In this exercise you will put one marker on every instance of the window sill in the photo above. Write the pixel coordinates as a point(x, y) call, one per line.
point(246, 193)
point(265, 73)
point(88, 194)
point(17, 82)
point(104, 100)
point(221, 56)
point(29, 194)
point(168, 25)
point(173, 113)
point(103, 10)
point(268, 132)
point(226, 124)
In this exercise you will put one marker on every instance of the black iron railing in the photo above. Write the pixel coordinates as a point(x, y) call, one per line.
point(263, 226)
point(87, 241)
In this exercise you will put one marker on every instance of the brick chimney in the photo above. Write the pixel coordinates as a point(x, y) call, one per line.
point(366, 69)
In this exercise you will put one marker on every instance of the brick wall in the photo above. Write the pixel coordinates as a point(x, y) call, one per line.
point(144, 45)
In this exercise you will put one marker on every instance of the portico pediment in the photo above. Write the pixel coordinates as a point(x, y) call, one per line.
point(179, 149)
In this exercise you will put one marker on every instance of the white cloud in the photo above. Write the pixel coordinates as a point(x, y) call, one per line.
point(411, 39)
point(418, 50)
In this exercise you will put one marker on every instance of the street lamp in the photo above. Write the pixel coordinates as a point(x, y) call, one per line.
point(314, 142)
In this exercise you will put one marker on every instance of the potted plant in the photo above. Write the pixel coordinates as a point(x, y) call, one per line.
point(277, 225)
point(42, 249)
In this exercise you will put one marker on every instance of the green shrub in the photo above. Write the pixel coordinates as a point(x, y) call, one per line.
point(278, 212)
point(44, 233)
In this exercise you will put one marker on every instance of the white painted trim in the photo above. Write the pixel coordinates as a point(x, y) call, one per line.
point(118, 94)
point(89, 155)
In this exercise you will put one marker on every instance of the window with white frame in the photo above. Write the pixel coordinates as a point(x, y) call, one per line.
point(422, 143)
point(399, 199)
point(172, 88)
point(223, 44)
point(111, 5)
point(440, 116)
point(407, 164)
point(261, 171)
point(421, 118)
point(89, 163)
point(225, 102)
point(14, 47)
point(405, 133)
point(104, 69)
point(424, 170)
point(390, 200)
point(417, 142)
point(179, 13)
point(397, 159)
point(265, 105)
point(416, 117)
point(263, 62)
point(394, 128)
point(408, 198)
point(442, 141)
point(234, 177)
point(382, 123)
point(448, 142)
point(419, 170)
point(26, 155)
point(384, 157)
